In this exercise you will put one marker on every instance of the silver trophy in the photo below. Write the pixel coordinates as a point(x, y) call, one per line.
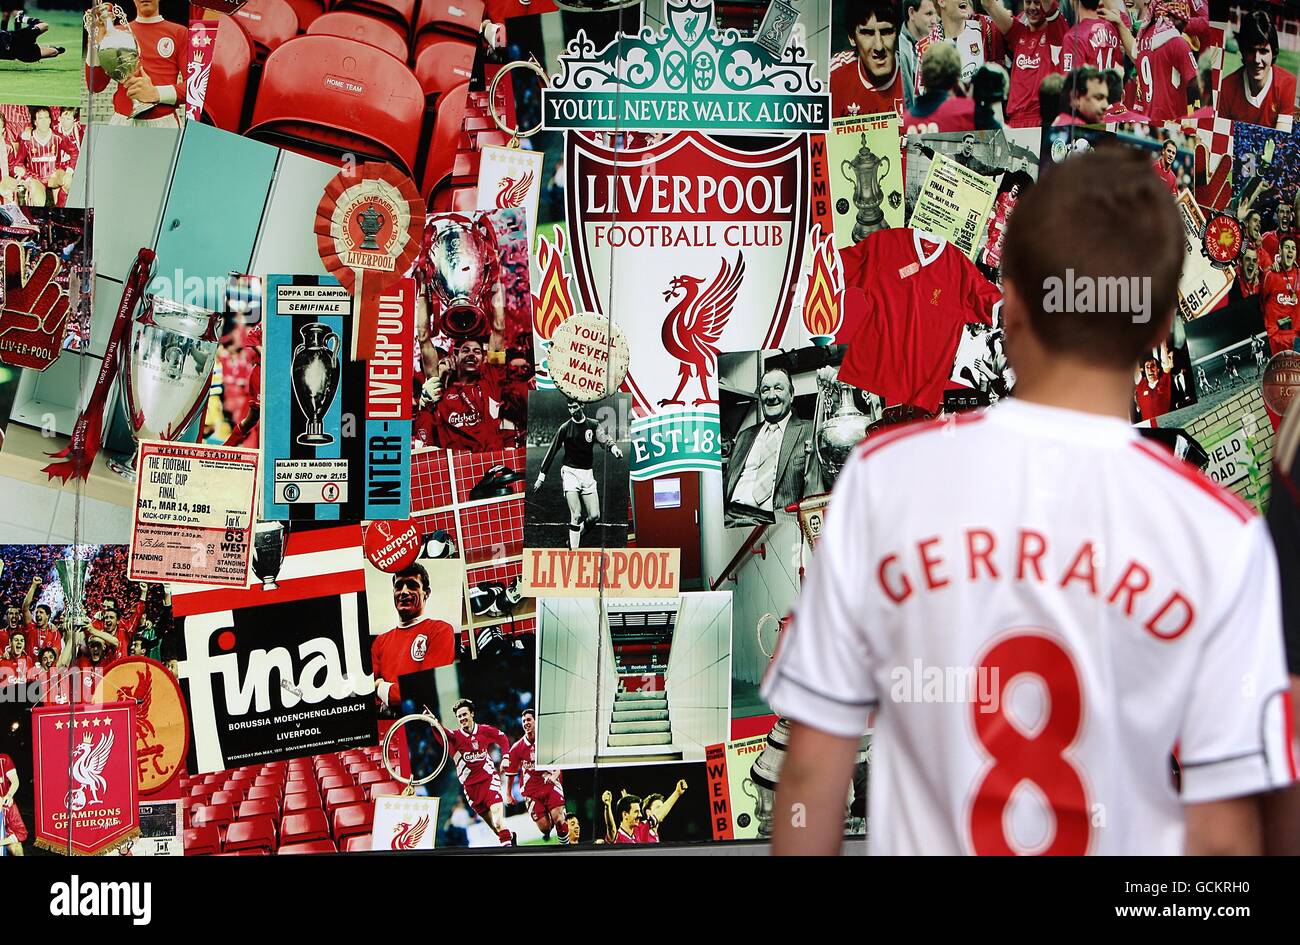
point(315, 367)
point(840, 421)
point(73, 574)
point(270, 539)
point(166, 371)
point(464, 264)
point(764, 773)
point(118, 51)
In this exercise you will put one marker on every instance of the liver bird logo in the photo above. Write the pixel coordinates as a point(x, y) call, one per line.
point(88, 761)
point(695, 324)
point(407, 835)
point(142, 695)
point(511, 192)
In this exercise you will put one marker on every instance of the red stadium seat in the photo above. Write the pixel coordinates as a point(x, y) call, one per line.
point(363, 29)
point(269, 780)
point(325, 96)
point(303, 826)
point(442, 142)
point(260, 792)
point(340, 797)
point(202, 841)
point(299, 802)
point(214, 815)
point(444, 64)
point(301, 787)
point(257, 852)
point(353, 820)
point(259, 808)
point(244, 774)
point(314, 846)
point(464, 199)
point(269, 23)
point(384, 789)
point(357, 844)
point(459, 19)
point(227, 797)
point(307, 11)
point(257, 833)
point(336, 781)
point(373, 776)
point(401, 13)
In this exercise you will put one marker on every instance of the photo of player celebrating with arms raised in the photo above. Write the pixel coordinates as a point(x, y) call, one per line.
point(468, 743)
point(541, 789)
point(637, 820)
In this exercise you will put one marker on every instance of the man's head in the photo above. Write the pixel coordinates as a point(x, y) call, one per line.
point(940, 67)
point(48, 657)
point(469, 355)
point(1250, 261)
point(968, 144)
point(529, 723)
point(1086, 94)
point(1126, 241)
point(653, 805)
point(13, 616)
point(1151, 368)
point(1254, 226)
point(1035, 12)
point(628, 811)
point(1287, 252)
point(95, 648)
point(873, 32)
point(464, 712)
point(575, 410)
point(1168, 152)
point(41, 119)
point(1092, 6)
point(41, 615)
point(18, 642)
point(410, 591)
point(953, 10)
point(146, 8)
point(575, 827)
point(1049, 95)
point(1257, 40)
point(137, 647)
point(1285, 216)
point(775, 394)
point(110, 621)
point(518, 366)
point(920, 16)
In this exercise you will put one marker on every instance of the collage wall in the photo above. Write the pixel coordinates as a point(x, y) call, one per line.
point(419, 416)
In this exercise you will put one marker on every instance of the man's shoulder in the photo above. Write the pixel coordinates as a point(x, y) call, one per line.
point(1284, 82)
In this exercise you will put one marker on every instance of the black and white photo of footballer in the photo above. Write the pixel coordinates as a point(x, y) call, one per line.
point(585, 447)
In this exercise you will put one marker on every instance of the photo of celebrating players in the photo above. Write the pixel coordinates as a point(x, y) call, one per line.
point(577, 472)
point(474, 328)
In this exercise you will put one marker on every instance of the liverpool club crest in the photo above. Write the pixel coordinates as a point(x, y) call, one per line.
point(694, 248)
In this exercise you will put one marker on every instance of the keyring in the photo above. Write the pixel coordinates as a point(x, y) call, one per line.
point(758, 632)
point(514, 133)
point(411, 783)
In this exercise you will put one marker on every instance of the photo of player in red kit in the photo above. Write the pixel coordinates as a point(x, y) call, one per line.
point(635, 819)
point(159, 81)
point(865, 79)
point(468, 744)
point(1281, 298)
point(462, 410)
point(1167, 83)
point(1260, 92)
point(416, 643)
point(1164, 166)
point(1035, 39)
point(1154, 389)
point(15, 831)
point(541, 789)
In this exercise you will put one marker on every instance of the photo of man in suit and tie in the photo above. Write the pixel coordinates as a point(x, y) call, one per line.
point(767, 467)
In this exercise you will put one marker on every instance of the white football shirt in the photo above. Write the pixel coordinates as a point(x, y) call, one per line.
point(1041, 607)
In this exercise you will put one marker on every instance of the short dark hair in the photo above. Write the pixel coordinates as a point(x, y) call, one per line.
point(1257, 29)
point(42, 108)
point(40, 654)
point(413, 570)
point(911, 6)
point(1076, 83)
point(44, 607)
point(1287, 239)
point(1049, 96)
point(18, 632)
point(528, 712)
point(940, 67)
point(625, 804)
point(1090, 4)
point(649, 800)
point(857, 12)
point(466, 703)
point(1110, 203)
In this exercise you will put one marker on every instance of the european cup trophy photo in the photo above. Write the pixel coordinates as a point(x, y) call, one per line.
point(166, 371)
point(316, 375)
point(118, 52)
point(270, 539)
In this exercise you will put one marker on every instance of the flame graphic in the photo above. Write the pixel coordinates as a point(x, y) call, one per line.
point(554, 303)
point(822, 306)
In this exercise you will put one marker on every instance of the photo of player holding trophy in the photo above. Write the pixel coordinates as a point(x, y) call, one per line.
point(144, 56)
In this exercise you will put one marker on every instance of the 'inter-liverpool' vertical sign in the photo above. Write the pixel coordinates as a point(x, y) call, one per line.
point(337, 431)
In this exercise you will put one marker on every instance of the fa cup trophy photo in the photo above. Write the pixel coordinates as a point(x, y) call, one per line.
point(316, 376)
point(867, 171)
point(166, 371)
